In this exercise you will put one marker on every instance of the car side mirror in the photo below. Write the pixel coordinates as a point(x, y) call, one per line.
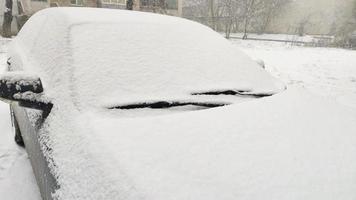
point(25, 89)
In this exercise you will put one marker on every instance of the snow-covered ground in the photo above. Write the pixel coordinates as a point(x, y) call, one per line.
point(327, 72)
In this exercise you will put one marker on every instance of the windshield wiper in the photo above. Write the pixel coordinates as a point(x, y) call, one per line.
point(166, 104)
point(233, 92)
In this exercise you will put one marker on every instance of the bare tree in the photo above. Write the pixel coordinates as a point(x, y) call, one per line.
point(303, 24)
point(229, 15)
point(250, 10)
point(212, 14)
point(271, 9)
point(354, 10)
point(6, 26)
point(156, 6)
point(345, 29)
point(234, 15)
point(354, 13)
point(217, 13)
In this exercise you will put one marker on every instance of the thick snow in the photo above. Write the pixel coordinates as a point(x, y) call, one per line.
point(20, 77)
point(163, 62)
point(17, 181)
point(159, 64)
point(325, 71)
point(290, 146)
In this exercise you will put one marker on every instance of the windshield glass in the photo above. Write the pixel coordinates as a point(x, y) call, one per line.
point(161, 62)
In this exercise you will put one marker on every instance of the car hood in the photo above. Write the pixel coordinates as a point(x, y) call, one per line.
point(292, 145)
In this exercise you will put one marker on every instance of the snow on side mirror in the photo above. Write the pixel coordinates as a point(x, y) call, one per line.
point(13, 83)
point(23, 88)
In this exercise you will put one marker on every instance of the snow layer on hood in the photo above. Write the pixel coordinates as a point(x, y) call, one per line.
point(101, 54)
point(292, 145)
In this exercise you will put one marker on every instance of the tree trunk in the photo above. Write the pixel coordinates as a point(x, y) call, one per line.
point(228, 28)
point(212, 14)
point(237, 25)
point(249, 11)
point(354, 9)
point(245, 29)
point(266, 22)
point(6, 26)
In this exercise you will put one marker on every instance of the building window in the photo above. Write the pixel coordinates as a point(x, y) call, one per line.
point(115, 2)
point(165, 4)
point(77, 2)
point(172, 4)
point(144, 3)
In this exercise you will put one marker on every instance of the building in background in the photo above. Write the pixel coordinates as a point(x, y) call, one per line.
point(23, 9)
point(74, 3)
point(115, 4)
point(29, 7)
point(169, 7)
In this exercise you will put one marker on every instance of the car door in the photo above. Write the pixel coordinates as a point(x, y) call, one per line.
point(30, 122)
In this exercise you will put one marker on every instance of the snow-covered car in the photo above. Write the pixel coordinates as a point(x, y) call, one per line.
point(114, 104)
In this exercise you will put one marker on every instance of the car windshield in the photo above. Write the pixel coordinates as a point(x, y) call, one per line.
point(153, 67)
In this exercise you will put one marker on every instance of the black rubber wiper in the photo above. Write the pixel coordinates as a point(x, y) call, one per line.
point(233, 92)
point(166, 104)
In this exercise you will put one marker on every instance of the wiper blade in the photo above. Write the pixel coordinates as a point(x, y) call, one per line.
point(233, 92)
point(166, 104)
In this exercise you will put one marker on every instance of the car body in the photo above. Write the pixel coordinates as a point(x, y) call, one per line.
point(143, 106)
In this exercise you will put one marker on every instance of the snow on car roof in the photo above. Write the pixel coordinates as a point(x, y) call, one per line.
point(116, 55)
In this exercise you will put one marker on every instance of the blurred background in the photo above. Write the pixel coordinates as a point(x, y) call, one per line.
point(322, 23)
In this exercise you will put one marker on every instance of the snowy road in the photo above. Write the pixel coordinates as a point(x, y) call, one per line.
point(328, 72)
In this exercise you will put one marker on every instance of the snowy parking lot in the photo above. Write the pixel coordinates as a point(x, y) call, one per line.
point(325, 71)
